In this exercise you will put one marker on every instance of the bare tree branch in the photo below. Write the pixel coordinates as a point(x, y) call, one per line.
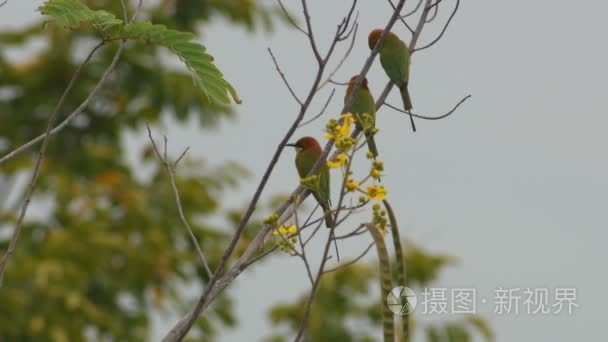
point(310, 34)
point(348, 51)
point(414, 10)
point(167, 165)
point(402, 18)
point(445, 27)
point(293, 22)
point(435, 8)
point(321, 112)
point(346, 264)
point(219, 282)
point(315, 286)
point(216, 285)
point(425, 117)
point(293, 94)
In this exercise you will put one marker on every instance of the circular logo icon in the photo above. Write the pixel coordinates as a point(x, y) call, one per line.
point(401, 300)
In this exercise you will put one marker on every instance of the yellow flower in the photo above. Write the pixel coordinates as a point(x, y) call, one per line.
point(271, 219)
point(311, 182)
point(347, 122)
point(286, 230)
point(352, 185)
point(376, 192)
point(345, 143)
point(336, 130)
point(332, 129)
point(339, 161)
point(375, 173)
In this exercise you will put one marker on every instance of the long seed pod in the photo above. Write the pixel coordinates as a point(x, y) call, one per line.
point(385, 282)
point(405, 319)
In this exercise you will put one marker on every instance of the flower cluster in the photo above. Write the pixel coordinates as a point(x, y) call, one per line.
point(340, 160)
point(377, 168)
point(311, 182)
point(286, 237)
point(271, 220)
point(339, 131)
point(351, 185)
point(379, 218)
point(376, 192)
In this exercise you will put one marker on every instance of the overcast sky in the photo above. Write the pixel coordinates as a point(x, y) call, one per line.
point(514, 183)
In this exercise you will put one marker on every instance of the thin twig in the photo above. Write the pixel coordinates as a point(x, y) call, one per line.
point(181, 156)
point(310, 34)
point(315, 286)
point(445, 27)
point(436, 3)
point(346, 264)
point(348, 51)
point(276, 64)
point(425, 117)
point(414, 10)
point(3, 3)
point(360, 230)
point(178, 202)
point(303, 248)
point(314, 232)
point(260, 256)
point(338, 83)
point(435, 8)
point(321, 112)
point(293, 22)
point(402, 18)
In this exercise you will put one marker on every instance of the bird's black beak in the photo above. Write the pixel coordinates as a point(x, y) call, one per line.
point(290, 145)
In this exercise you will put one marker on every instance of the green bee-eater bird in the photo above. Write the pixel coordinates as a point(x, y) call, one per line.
point(308, 152)
point(395, 60)
point(363, 103)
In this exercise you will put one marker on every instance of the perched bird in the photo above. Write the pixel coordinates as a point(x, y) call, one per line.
point(308, 152)
point(363, 103)
point(395, 60)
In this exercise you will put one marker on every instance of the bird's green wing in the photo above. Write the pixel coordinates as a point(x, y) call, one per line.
point(304, 163)
point(364, 103)
point(395, 60)
point(324, 185)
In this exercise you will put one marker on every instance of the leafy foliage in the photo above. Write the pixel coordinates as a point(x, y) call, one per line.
point(347, 308)
point(72, 14)
point(103, 245)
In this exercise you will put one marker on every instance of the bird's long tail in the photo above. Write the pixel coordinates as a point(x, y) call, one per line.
point(329, 218)
point(371, 143)
point(407, 103)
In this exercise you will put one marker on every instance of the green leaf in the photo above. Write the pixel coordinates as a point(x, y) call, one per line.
point(206, 75)
point(73, 14)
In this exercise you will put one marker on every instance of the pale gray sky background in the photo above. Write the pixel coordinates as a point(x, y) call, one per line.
point(514, 183)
